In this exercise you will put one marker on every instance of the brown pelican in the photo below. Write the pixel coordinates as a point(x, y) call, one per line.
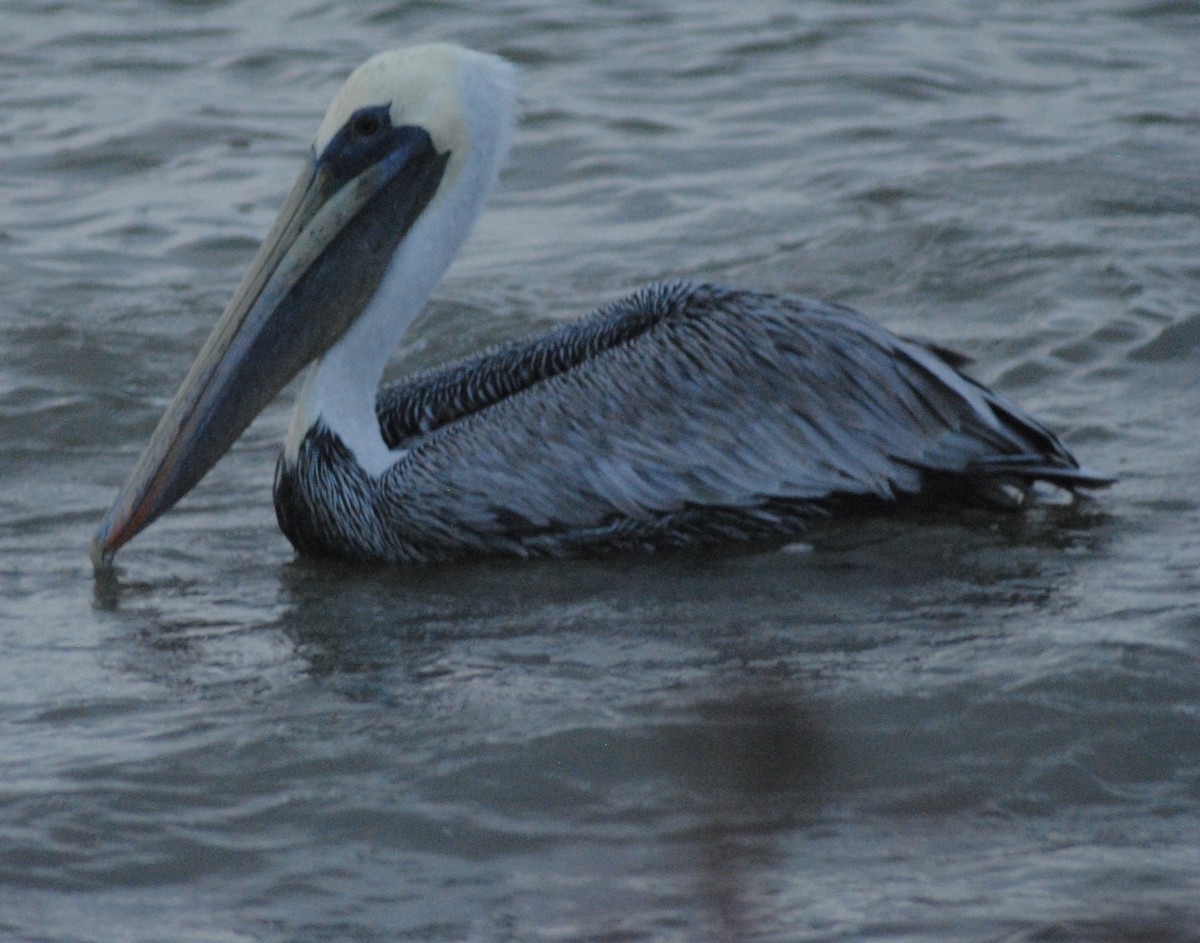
point(681, 415)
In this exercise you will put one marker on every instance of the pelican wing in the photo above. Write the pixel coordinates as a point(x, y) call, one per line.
point(684, 401)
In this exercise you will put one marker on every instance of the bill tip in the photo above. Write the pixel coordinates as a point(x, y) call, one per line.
point(102, 556)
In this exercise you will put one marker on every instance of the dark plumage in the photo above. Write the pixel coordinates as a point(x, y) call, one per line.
point(681, 415)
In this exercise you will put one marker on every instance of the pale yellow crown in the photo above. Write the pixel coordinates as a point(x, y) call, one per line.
point(455, 94)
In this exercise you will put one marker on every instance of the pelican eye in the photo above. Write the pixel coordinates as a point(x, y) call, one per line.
point(366, 124)
point(367, 137)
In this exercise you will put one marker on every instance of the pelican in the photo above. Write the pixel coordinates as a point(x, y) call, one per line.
point(682, 415)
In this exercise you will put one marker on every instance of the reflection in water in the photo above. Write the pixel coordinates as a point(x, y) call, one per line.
point(106, 590)
point(758, 762)
point(615, 732)
point(722, 764)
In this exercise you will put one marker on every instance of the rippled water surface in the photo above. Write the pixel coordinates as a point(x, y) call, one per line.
point(954, 726)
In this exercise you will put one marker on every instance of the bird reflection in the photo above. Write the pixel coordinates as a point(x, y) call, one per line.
point(758, 759)
point(729, 765)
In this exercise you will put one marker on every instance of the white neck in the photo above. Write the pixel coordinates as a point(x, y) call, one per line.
point(341, 386)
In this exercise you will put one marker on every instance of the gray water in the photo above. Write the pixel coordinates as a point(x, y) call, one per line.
point(952, 726)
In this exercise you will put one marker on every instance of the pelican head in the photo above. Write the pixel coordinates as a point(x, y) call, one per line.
point(401, 163)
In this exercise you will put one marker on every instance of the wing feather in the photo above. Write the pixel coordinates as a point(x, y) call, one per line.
point(685, 396)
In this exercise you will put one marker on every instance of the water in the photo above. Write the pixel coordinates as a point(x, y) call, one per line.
point(948, 727)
